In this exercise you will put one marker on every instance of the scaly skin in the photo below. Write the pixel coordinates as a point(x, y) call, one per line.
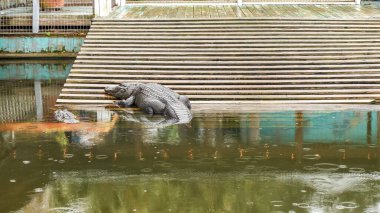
point(153, 99)
point(65, 116)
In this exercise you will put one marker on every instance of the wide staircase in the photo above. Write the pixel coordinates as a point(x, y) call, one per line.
point(232, 60)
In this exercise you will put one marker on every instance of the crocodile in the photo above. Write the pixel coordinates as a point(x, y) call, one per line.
point(65, 116)
point(153, 98)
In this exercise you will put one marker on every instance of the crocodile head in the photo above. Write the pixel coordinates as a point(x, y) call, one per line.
point(121, 91)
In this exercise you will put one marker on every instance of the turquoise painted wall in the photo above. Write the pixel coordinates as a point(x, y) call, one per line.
point(34, 71)
point(40, 44)
point(279, 126)
point(349, 127)
point(319, 127)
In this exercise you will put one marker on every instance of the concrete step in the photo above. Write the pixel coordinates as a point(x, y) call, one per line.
point(232, 60)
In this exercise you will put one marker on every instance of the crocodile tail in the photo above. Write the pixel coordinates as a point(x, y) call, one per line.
point(178, 111)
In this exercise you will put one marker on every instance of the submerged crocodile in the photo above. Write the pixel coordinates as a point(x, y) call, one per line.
point(65, 116)
point(153, 99)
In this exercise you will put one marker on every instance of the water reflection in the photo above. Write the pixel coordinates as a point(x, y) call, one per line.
point(184, 191)
point(27, 100)
point(298, 161)
point(34, 69)
point(29, 88)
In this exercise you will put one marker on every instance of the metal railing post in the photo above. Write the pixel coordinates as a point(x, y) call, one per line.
point(103, 7)
point(39, 102)
point(93, 7)
point(96, 7)
point(121, 2)
point(36, 16)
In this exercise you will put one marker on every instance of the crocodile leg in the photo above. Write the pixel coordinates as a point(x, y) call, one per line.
point(169, 113)
point(185, 100)
point(127, 102)
point(151, 106)
point(148, 110)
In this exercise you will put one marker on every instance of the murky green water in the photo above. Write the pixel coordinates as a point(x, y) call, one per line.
point(291, 161)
